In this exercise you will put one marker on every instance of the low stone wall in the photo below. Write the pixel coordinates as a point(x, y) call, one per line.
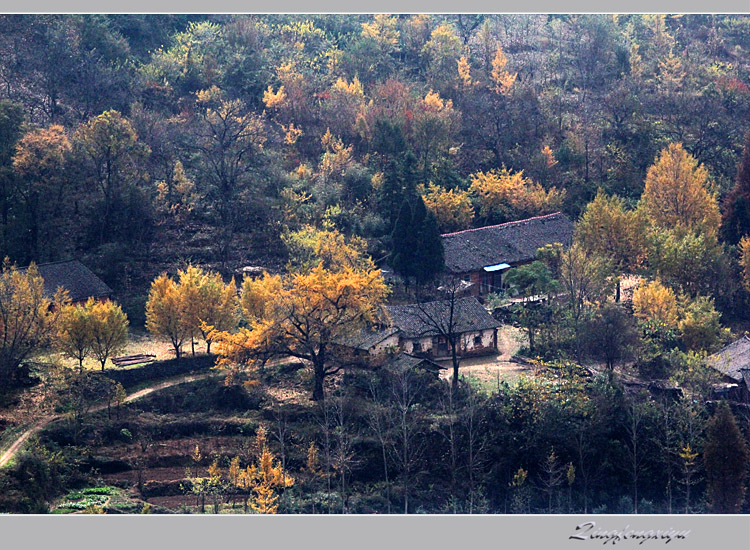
point(160, 369)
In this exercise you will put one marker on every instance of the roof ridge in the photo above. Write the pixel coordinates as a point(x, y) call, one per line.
point(502, 224)
point(56, 262)
point(417, 304)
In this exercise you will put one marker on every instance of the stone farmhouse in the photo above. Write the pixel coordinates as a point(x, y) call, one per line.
point(483, 255)
point(421, 329)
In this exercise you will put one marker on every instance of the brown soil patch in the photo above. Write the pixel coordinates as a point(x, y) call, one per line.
point(490, 370)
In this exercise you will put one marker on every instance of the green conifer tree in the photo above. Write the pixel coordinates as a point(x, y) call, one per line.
point(726, 458)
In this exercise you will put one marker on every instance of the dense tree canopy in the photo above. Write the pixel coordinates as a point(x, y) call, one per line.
point(304, 153)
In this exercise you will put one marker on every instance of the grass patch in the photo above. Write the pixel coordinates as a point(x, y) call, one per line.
point(83, 499)
point(138, 343)
point(99, 491)
point(489, 379)
point(84, 503)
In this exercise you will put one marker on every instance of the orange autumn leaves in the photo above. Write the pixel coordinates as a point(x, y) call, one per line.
point(196, 303)
point(504, 195)
point(299, 312)
point(494, 196)
point(678, 195)
point(97, 329)
point(331, 291)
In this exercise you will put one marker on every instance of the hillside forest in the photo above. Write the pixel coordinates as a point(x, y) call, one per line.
point(255, 189)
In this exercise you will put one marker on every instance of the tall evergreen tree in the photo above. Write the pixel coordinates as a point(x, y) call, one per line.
point(399, 185)
point(404, 242)
point(736, 220)
point(11, 120)
point(417, 248)
point(428, 258)
point(726, 458)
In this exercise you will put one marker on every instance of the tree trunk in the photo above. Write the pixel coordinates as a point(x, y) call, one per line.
point(456, 365)
point(617, 291)
point(318, 392)
point(531, 338)
point(387, 482)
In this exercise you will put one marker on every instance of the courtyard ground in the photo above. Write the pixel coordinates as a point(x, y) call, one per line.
point(489, 371)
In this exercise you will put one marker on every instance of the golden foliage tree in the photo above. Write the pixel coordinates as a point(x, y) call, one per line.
point(74, 334)
point(165, 309)
point(198, 302)
point(109, 146)
point(383, 30)
point(94, 328)
point(699, 326)
point(442, 52)
point(265, 477)
point(655, 302)
point(177, 195)
point(302, 315)
point(451, 207)
point(502, 79)
point(696, 319)
point(464, 71)
point(677, 193)
point(684, 260)
point(109, 329)
point(744, 247)
point(504, 195)
point(40, 161)
point(585, 279)
point(219, 310)
point(27, 317)
point(310, 246)
point(189, 282)
point(608, 229)
point(41, 153)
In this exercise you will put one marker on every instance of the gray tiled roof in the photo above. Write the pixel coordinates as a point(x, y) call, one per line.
point(73, 276)
point(367, 338)
point(419, 320)
point(732, 359)
point(404, 361)
point(510, 243)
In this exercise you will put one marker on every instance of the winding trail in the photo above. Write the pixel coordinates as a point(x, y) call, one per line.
point(18, 443)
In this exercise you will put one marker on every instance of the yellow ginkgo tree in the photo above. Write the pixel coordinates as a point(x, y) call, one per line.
point(196, 303)
point(303, 315)
point(307, 311)
point(264, 478)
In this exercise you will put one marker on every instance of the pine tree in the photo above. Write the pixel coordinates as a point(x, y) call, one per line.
point(726, 458)
point(736, 220)
point(429, 257)
point(404, 242)
point(417, 247)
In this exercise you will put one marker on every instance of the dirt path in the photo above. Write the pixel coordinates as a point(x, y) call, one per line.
point(18, 443)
